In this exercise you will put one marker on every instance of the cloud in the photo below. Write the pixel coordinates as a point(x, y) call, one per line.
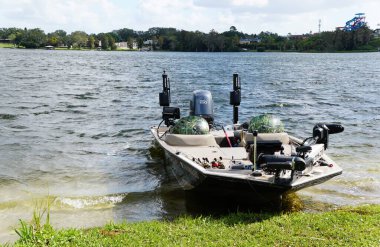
point(230, 3)
point(254, 3)
point(78, 15)
point(212, 3)
point(249, 16)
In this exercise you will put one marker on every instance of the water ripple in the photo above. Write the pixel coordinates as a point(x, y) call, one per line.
point(76, 124)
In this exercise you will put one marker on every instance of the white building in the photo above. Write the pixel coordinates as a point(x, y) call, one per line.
point(124, 45)
point(249, 41)
point(376, 33)
point(150, 42)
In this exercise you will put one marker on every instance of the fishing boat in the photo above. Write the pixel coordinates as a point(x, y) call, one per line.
point(255, 160)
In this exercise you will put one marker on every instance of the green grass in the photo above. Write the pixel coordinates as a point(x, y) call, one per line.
point(6, 45)
point(350, 226)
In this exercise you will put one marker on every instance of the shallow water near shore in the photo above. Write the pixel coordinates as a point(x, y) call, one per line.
point(74, 125)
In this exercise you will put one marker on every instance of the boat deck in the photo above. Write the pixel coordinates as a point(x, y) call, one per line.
point(201, 152)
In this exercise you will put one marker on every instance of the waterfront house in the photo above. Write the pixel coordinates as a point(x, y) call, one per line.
point(248, 41)
point(124, 45)
point(376, 33)
point(8, 41)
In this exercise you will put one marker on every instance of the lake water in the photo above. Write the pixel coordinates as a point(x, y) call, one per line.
point(74, 125)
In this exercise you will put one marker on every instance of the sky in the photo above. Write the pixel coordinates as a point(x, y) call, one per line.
point(248, 16)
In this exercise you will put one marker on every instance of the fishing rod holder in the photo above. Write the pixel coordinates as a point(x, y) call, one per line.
point(164, 96)
point(235, 97)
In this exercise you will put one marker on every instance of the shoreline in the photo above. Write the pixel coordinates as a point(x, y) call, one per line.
point(6, 46)
point(249, 51)
point(356, 226)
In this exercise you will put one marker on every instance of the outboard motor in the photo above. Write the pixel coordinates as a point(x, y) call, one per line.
point(202, 105)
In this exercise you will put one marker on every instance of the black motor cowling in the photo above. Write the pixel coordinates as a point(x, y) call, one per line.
point(202, 105)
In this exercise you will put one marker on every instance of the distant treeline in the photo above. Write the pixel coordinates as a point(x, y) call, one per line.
point(171, 39)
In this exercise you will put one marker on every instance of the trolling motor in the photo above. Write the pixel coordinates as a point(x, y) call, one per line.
point(276, 164)
point(235, 97)
point(321, 132)
point(169, 114)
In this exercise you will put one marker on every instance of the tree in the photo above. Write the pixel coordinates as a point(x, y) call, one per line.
point(212, 40)
point(12, 37)
point(182, 40)
point(115, 36)
point(125, 34)
point(91, 42)
point(18, 38)
point(33, 38)
point(6, 32)
point(62, 37)
point(232, 43)
point(111, 42)
point(104, 40)
point(130, 43)
point(52, 39)
point(140, 43)
point(79, 39)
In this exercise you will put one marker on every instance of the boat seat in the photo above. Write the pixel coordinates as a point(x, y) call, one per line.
point(190, 140)
point(281, 137)
point(220, 137)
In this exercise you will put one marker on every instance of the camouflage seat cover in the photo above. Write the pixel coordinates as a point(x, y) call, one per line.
point(266, 124)
point(191, 125)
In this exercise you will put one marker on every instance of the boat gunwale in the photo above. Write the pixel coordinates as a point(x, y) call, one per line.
point(294, 186)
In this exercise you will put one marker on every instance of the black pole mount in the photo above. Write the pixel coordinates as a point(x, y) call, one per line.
point(165, 94)
point(235, 97)
point(169, 114)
